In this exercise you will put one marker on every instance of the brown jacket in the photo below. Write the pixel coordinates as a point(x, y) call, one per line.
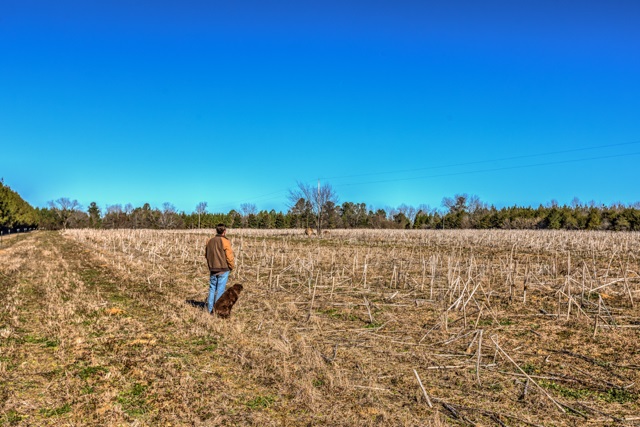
point(219, 254)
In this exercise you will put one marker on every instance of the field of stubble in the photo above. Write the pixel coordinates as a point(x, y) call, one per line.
point(356, 328)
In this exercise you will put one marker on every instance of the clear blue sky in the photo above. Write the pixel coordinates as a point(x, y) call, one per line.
point(391, 102)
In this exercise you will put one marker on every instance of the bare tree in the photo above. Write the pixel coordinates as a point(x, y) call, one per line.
point(167, 217)
point(114, 209)
point(114, 216)
point(424, 208)
point(408, 211)
point(475, 205)
point(201, 209)
point(64, 209)
point(575, 203)
point(247, 209)
point(318, 197)
point(456, 204)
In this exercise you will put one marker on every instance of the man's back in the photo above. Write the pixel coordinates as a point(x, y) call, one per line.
point(219, 254)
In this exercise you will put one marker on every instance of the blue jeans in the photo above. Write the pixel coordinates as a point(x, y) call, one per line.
point(217, 284)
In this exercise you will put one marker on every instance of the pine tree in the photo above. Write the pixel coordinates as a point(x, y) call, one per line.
point(94, 216)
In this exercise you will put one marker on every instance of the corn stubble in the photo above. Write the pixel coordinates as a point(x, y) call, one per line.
point(361, 327)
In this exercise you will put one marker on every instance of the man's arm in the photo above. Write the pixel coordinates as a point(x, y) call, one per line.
point(226, 245)
point(206, 254)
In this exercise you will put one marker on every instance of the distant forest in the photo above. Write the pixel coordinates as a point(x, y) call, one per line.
point(459, 212)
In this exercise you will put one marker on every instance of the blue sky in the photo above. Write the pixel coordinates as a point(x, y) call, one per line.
point(390, 102)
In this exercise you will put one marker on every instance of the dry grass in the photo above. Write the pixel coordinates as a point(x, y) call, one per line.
point(499, 327)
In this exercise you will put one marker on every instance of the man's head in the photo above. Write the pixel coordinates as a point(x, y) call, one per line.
point(221, 228)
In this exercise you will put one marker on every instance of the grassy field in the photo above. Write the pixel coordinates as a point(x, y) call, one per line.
point(401, 328)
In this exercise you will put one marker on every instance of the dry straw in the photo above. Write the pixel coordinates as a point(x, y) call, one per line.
point(332, 330)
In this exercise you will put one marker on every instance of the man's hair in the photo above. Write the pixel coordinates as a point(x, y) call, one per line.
point(221, 228)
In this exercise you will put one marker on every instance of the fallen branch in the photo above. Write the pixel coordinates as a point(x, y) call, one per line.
point(426, 396)
point(371, 388)
point(479, 355)
point(559, 406)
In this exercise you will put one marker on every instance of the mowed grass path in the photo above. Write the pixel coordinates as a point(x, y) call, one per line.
point(81, 347)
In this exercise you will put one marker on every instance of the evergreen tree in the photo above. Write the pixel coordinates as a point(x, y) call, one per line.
point(554, 219)
point(94, 216)
point(348, 215)
point(280, 221)
point(263, 220)
point(594, 219)
point(621, 223)
point(235, 219)
point(401, 221)
point(14, 211)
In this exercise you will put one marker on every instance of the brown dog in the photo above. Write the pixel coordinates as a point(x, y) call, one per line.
point(225, 303)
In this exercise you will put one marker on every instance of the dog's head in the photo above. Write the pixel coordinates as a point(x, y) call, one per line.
point(238, 288)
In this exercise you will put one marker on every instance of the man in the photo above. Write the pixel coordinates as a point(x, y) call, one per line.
point(221, 261)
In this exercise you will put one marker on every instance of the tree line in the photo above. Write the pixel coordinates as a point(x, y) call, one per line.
point(320, 210)
point(15, 213)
